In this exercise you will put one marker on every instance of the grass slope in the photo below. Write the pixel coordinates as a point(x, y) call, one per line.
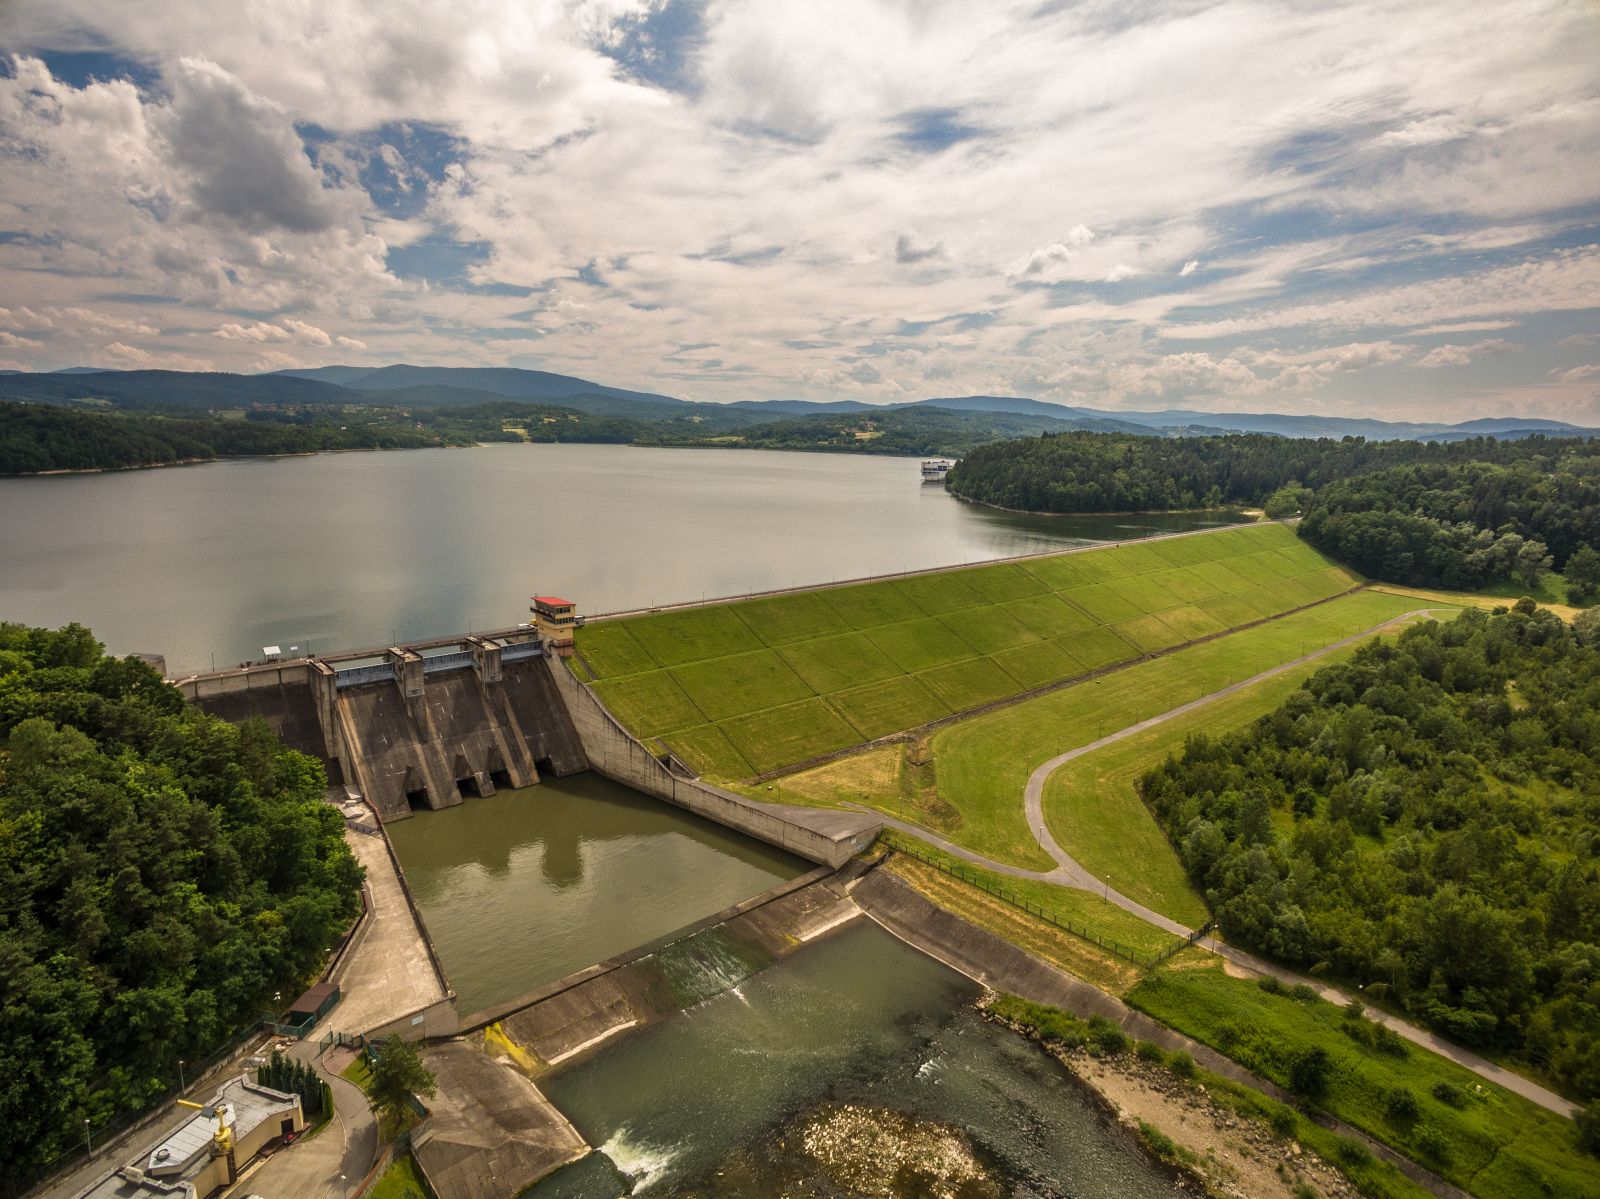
point(791, 677)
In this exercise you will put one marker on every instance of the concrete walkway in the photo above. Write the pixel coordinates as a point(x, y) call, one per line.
point(388, 973)
point(1070, 873)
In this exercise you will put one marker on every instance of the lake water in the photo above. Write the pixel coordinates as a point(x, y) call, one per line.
point(741, 1097)
point(528, 886)
point(211, 563)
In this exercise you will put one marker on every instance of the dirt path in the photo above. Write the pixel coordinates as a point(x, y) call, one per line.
point(1070, 873)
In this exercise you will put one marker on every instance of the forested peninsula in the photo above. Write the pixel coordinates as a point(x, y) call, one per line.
point(162, 874)
point(1461, 514)
point(1423, 820)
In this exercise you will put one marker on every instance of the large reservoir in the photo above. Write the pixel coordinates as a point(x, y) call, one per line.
point(211, 563)
point(532, 885)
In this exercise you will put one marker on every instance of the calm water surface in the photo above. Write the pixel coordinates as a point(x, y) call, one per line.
point(707, 1102)
point(342, 551)
point(528, 886)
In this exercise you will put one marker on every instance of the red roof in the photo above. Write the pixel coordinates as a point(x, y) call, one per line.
point(552, 600)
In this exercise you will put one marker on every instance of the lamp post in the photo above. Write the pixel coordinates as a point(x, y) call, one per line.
point(183, 1083)
point(87, 1139)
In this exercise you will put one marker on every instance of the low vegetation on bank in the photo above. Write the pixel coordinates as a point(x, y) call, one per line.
point(1483, 1138)
point(162, 875)
point(1421, 820)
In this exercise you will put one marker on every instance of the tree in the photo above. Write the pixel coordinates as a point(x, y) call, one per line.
point(397, 1075)
point(1583, 576)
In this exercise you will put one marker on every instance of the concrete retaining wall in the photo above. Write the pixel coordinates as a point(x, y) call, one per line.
point(819, 835)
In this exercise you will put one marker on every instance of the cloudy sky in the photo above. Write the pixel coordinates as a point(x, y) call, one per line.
point(1386, 209)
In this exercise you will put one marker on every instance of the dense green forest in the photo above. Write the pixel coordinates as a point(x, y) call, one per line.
point(1424, 820)
point(36, 437)
point(162, 874)
point(1460, 514)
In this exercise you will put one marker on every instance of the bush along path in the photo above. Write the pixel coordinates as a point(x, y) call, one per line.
point(1069, 873)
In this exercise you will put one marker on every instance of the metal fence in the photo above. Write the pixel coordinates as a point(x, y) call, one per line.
point(357, 675)
point(976, 878)
point(456, 661)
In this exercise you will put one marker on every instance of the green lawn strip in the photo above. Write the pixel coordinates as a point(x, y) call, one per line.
point(983, 764)
point(969, 684)
point(740, 683)
point(793, 733)
point(610, 649)
point(402, 1180)
point(1185, 585)
point(1140, 557)
point(1037, 664)
point(1065, 905)
point(706, 749)
point(1008, 581)
point(780, 619)
point(867, 605)
point(1191, 622)
point(1271, 560)
point(1222, 579)
point(946, 591)
point(1095, 648)
point(920, 644)
point(834, 663)
point(989, 630)
point(1231, 611)
point(1048, 615)
point(1105, 563)
point(649, 703)
point(1058, 571)
point(1102, 603)
point(693, 634)
point(1266, 535)
point(1497, 1145)
point(1253, 571)
point(885, 707)
point(1146, 592)
point(1147, 633)
point(358, 1072)
point(1096, 815)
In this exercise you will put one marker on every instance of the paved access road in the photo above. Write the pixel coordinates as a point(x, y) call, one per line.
point(1070, 873)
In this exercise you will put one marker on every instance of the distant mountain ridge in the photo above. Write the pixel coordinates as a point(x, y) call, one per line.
point(408, 386)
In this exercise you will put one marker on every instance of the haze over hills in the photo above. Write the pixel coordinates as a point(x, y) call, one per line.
point(407, 386)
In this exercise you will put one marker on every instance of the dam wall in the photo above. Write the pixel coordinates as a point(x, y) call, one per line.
point(817, 834)
point(415, 726)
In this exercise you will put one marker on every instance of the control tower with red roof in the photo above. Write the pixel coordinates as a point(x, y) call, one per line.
point(555, 619)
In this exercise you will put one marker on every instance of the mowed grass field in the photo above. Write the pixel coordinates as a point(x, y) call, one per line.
point(982, 764)
point(1497, 1145)
point(751, 686)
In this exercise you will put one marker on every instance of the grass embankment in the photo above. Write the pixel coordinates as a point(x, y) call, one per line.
point(1093, 807)
point(1551, 593)
point(1481, 1137)
point(1001, 915)
point(1059, 1030)
point(971, 793)
point(746, 687)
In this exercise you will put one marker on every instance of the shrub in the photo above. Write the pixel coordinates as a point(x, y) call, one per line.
point(1106, 1037)
point(1271, 984)
point(1386, 1040)
point(1181, 1064)
point(1149, 1051)
point(1352, 1153)
point(1304, 993)
point(1304, 1190)
point(1310, 1071)
point(1402, 1106)
point(1450, 1094)
point(1589, 1128)
point(1283, 1121)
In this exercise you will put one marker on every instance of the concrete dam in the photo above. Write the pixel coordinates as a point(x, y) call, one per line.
point(427, 724)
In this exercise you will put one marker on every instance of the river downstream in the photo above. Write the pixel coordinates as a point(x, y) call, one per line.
point(857, 1066)
point(212, 563)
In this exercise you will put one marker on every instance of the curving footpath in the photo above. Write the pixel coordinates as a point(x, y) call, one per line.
point(1070, 873)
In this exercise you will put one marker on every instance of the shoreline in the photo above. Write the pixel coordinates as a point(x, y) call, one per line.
point(1254, 515)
